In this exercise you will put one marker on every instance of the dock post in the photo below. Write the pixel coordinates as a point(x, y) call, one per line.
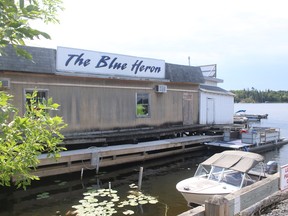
point(216, 206)
point(82, 173)
point(95, 161)
point(140, 178)
point(227, 134)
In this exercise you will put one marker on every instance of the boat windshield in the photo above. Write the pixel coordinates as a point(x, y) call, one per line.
point(226, 176)
point(216, 173)
point(233, 178)
point(203, 171)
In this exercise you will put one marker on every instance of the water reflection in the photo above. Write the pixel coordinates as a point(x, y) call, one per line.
point(159, 180)
point(278, 155)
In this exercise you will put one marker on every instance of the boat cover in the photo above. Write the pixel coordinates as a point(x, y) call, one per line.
point(235, 160)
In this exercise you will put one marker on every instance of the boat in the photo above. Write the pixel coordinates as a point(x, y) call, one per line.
point(241, 117)
point(255, 139)
point(222, 174)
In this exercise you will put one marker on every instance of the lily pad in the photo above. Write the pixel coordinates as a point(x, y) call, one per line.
point(131, 196)
point(133, 186)
point(142, 202)
point(44, 195)
point(153, 201)
point(128, 212)
point(62, 183)
point(133, 203)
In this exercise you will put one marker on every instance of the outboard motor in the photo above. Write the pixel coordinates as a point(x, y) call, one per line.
point(271, 167)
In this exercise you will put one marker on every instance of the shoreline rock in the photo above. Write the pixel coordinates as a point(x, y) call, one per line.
point(277, 209)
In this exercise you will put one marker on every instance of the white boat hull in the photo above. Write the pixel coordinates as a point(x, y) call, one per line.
point(197, 190)
point(199, 199)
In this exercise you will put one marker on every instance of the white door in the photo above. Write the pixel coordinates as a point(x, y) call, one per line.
point(210, 111)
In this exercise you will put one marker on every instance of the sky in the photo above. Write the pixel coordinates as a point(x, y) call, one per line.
point(247, 39)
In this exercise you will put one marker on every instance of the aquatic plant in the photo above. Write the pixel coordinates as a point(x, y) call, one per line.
point(43, 195)
point(107, 202)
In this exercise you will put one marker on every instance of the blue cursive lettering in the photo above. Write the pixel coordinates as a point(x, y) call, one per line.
point(104, 61)
point(79, 60)
point(138, 66)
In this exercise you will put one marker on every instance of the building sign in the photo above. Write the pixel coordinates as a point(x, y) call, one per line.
point(284, 177)
point(91, 62)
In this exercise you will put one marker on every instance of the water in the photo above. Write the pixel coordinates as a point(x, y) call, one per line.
point(159, 180)
point(277, 118)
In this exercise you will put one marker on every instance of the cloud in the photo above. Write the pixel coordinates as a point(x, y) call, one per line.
point(233, 34)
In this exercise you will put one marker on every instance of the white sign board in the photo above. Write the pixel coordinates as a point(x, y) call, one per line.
point(92, 62)
point(284, 177)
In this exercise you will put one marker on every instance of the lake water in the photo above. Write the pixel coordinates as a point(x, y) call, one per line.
point(277, 118)
point(159, 179)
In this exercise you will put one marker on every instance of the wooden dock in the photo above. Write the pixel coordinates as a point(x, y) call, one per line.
point(97, 157)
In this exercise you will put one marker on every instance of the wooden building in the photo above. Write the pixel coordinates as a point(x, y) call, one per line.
point(105, 92)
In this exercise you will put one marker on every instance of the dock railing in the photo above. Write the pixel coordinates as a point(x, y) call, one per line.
point(261, 135)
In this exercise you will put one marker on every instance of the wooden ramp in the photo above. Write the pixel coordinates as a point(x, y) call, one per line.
point(95, 157)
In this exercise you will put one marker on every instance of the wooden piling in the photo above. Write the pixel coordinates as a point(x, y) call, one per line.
point(140, 178)
point(216, 206)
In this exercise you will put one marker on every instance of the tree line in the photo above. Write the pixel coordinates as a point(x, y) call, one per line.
point(257, 96)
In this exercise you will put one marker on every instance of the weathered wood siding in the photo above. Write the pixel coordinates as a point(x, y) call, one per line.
point(91, 104)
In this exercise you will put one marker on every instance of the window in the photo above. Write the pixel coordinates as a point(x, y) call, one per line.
point(142, 106)
point(41, 97)
point(4, 83)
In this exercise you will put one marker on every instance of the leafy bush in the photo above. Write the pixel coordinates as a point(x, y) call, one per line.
point(23, 139)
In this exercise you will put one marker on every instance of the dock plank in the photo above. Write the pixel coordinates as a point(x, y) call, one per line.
point(72, 160)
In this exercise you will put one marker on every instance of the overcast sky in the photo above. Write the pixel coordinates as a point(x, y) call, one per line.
point(247, 39)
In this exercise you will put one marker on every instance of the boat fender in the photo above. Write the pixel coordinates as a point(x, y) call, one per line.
point(271, 167)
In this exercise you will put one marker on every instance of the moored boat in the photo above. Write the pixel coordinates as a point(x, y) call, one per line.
point(242, 117)
point(222, 174)
point(254, 139)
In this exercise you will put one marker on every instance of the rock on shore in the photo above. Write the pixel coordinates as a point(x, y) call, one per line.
point(280, 209)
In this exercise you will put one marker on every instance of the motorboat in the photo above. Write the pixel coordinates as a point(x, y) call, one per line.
point(222, 174)
point(241, 117)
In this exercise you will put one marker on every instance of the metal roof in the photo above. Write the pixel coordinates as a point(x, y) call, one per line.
point(235, 160)
point(44, 60)
point(215, 89)
point(183, 73)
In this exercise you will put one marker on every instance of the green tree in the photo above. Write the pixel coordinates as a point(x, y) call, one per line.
point(248, 100)
point(16, 17)
point(256, 96)
point(23, 139)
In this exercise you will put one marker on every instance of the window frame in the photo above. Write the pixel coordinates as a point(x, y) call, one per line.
point(147, 96)
point(31, 90)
